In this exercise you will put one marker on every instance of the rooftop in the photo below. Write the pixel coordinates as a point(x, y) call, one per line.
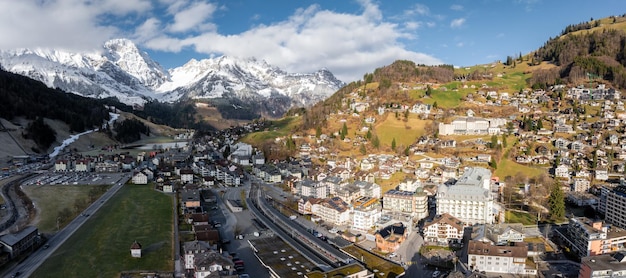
point(606, 262)
point(338, 272)
point(281, 258)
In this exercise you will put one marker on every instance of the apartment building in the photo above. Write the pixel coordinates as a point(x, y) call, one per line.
point(415, 203)
point(483, 256)
point(616, 206)
point(366, 212)
point(591, 238)
point(333, 210)
point(469, 198)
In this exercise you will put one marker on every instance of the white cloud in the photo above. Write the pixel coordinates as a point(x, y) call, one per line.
point(349, 44)
point(431, 24)
point(412, 25)
point(457, 23)
point(456, 7)
point(193, 17)
point(312, 38)
point(419, 9)
point(70, 24)
point(460, 44)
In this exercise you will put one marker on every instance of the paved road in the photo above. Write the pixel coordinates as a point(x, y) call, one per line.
point(28, 266)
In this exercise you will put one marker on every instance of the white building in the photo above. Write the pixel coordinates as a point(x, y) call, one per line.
point(140, 178)
point(444, 228)
point(368, 189)
point(616, 206)
point(414, 203)
point(311, 188)
point(471, 126)
point(498, 234)
point(333, 210)
point(469, 199)
point(409, 185)
point(365, 213)
point(483, 256)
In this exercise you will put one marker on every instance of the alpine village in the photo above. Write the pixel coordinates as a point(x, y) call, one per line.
point(507, 169)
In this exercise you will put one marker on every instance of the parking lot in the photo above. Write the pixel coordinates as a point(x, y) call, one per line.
point(75, 178)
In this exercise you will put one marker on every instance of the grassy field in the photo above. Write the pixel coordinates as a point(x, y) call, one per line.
point(277, 129)
point(374, 262)
point(405, 133)
point(445, 99)
point(520, 217)
point(101, 248)
point(49, 205)
point(507, 167)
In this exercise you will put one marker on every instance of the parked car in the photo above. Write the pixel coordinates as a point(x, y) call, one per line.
point(436, 273)
point(393, 255)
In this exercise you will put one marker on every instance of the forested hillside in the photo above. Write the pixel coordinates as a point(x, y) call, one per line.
point(590, 50)
point(24, 97)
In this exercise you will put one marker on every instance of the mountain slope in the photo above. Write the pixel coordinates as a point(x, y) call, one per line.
point(123, 71)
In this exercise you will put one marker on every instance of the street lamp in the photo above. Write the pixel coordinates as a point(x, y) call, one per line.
point(58, 218)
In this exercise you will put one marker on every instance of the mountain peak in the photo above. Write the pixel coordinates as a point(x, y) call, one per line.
point(122, 70)
point(125, 54)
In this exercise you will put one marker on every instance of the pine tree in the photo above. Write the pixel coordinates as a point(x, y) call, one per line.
point(318, 131)
point(494, 141)
point(393, 144)
point(375, 142)
point(493, 164)
point(344, 130)
point(504, 140)
point(556, 202)
point(362, 149)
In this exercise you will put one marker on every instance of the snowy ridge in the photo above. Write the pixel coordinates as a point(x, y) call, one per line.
point(122, 70)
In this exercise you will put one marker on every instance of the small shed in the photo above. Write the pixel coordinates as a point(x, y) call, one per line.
point(135, 249)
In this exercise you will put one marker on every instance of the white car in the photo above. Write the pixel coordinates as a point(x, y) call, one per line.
point(393, 255)
point(436, 273)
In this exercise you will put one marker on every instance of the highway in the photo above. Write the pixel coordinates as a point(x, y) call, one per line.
point(30, 264)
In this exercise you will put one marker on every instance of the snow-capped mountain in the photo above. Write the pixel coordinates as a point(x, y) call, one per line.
point(121, 70)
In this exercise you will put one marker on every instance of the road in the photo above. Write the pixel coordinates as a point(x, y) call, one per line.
point(28, 266)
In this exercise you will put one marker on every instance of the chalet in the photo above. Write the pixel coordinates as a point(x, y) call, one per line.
point(305, 205)
point(186, 176)
point(82, 165)
point(562, 171)
point(212, 264)
point(443, 229)
point(61, 165)
point(140, 178)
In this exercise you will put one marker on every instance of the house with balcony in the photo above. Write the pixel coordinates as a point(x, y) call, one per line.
point(366, 212)
point(443, 229)
point(601, 266)
point(333, 210)
point(586, 237)
point(483, 256)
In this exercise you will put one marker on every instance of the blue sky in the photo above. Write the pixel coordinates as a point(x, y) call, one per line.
point(349, 37)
